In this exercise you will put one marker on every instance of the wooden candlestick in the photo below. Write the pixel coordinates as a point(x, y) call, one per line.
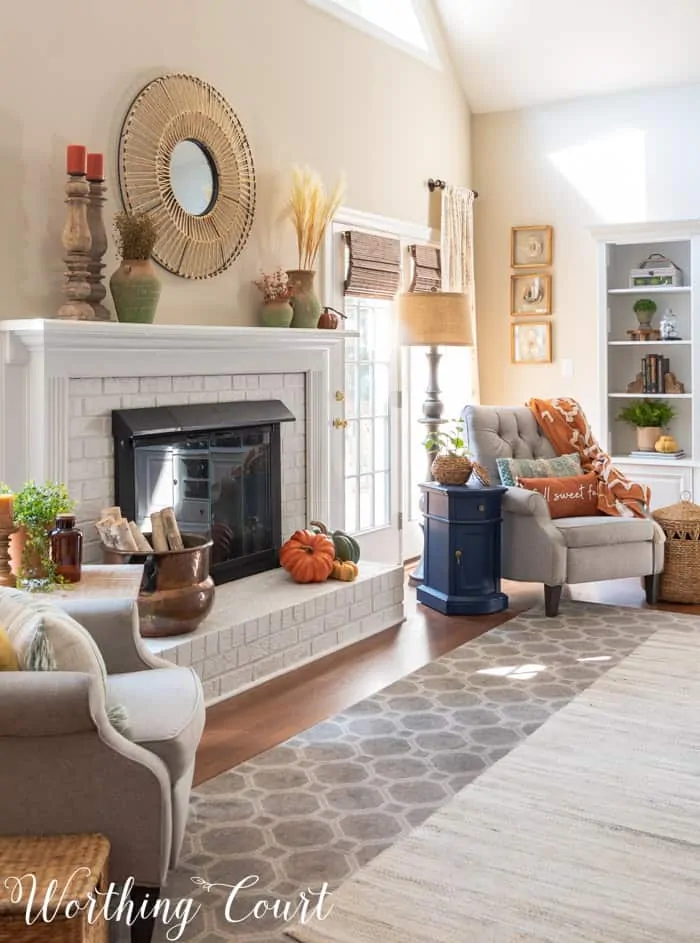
point(77, 242)
point(98, 248)
point(7, 577)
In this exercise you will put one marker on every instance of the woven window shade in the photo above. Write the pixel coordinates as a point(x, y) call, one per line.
point(374, 265)
point(427, 275)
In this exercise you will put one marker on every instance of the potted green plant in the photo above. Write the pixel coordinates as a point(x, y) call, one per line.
point(451, 464)
point(34, 512)
point(135, 287)
point(645, 309)
point(649, 416)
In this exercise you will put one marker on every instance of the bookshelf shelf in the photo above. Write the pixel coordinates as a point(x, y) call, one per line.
point(650, 395)
point(652, 290)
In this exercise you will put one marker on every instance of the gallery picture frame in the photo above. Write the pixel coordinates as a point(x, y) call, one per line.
point(530, 294)
point(531, 246)
point(531, 342)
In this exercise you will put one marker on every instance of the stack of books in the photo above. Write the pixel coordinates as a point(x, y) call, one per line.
point(670, 456)
point(654, 370)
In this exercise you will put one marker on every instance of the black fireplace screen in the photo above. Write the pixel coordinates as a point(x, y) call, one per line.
point(218, 466)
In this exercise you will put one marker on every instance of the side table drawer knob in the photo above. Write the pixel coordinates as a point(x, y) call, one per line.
point(458, 556)
point(481, 508)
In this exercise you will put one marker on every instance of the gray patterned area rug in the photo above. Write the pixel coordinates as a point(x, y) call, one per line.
point(314, 810)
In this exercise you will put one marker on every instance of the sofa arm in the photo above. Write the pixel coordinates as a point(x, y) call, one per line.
point(525, 502)
point(114, 625)
point(45, 703)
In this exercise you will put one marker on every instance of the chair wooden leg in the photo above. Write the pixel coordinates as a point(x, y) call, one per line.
point(651, 587)
point(142, 928)
point(552, 596)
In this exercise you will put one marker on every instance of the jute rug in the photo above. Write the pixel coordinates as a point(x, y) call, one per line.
point(588, 831)
point(321, 806)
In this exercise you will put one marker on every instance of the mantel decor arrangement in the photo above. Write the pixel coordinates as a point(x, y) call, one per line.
point(135, 286)
point(310, 210)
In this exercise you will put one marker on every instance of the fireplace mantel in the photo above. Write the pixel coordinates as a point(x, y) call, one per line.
point(39, 358)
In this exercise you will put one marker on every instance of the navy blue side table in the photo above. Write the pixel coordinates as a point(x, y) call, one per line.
point(462, 551)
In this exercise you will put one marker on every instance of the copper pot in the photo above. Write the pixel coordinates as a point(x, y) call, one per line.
point(177, 592)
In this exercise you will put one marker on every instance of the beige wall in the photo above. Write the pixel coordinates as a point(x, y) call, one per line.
point(307, 88)
point(617, 158)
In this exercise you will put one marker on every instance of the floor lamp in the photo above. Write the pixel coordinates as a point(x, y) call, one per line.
point(433, 319)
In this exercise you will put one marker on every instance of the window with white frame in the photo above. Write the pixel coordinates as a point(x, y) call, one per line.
point(399, 22)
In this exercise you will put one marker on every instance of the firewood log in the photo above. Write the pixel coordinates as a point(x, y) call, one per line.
point(172, 531)
point(114, 513)
point(158, 538)
point(124, 537)
point(142, 543)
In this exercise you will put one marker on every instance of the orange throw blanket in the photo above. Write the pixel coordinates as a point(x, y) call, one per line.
point(562, 421)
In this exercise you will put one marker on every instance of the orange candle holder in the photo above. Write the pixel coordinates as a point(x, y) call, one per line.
point(7, 577)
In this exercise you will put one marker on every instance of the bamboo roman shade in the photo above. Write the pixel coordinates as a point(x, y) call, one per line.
point(427, 274)
point(374, 265)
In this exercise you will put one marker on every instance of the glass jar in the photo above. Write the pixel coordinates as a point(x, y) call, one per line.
point(669, 326)
point(66, 543)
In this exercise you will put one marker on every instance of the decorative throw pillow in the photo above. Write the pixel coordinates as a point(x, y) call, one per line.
point(8, 658)
point(566, 497)
point(561, 466)
point(45, 638)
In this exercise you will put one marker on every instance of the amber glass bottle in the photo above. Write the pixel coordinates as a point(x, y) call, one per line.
point(67, 548)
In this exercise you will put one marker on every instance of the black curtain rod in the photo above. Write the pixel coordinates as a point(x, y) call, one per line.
point(441, 184)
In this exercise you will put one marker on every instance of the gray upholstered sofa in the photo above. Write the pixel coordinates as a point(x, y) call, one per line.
point(64, 768)
point(567, 550)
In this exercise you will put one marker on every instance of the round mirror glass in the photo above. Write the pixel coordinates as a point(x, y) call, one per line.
point(192, 177)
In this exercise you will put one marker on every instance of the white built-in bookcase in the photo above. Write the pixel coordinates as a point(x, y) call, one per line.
point(621, 248)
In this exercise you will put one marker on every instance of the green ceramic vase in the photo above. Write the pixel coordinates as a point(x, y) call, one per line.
point(135, 290)
point(307, 307)
point(276, 314)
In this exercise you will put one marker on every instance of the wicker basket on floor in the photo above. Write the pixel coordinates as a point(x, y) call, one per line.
point(75, 862)
point(680, 580)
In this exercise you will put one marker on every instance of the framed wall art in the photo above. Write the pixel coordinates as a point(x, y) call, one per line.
point(531, 246)
point(531, 342)
point(530, 294)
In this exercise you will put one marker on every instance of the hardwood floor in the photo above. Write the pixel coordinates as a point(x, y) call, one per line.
point(248, 724)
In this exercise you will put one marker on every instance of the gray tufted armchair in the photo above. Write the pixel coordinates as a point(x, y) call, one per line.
point(537, 549)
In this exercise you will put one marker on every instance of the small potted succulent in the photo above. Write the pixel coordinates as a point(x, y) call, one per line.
point(649, 416)
point(276, 310)
point(451, 465)
point(645, 309)
point(35, 510)
point(135, 286)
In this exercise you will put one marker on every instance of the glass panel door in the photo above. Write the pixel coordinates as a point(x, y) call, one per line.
point(372, 433)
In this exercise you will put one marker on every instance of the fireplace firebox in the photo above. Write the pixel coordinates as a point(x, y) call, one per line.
point(218, 465)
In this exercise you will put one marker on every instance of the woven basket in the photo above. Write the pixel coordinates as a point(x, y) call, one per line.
point(451, 469)
point(680, 580)
point(54, 858)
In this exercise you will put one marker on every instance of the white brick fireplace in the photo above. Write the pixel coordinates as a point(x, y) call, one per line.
point(60, 381)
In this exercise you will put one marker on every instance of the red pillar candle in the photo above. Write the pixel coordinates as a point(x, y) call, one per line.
point(96, 166)
point(76, 155)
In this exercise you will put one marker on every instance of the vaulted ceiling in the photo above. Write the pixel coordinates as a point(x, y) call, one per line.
point(515, 53)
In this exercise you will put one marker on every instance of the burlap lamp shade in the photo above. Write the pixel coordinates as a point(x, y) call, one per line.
point(435, 319)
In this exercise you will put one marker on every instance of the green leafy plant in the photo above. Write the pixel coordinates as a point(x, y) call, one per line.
point(136, 235)
point(35, 509)
point(5, 489)
point(644, 305)
point(448, 441)
point(645, 413)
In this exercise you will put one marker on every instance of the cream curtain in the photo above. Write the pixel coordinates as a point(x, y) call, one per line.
point(457, 258)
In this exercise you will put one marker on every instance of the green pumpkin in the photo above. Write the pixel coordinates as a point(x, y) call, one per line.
point(346, 547)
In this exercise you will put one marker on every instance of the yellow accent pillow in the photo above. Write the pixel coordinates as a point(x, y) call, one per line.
point(8, 657)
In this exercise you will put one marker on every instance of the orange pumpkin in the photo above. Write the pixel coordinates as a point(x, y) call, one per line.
point(307, 557)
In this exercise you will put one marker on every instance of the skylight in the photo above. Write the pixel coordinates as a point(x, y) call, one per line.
point(395, 21)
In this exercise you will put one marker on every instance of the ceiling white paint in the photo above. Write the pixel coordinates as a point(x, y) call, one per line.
point(516, 53)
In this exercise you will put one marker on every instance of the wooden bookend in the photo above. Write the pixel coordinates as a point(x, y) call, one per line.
point(172, 531)
point(158, 537)
point(637, 385)
point(672, 385)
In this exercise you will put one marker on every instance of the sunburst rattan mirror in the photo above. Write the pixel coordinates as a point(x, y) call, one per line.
point(185, 159)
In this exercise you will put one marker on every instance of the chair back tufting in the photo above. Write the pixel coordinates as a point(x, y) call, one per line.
point(503, 432)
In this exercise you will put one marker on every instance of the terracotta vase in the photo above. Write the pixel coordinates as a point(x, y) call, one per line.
point(307, 307)
point(276, 314)
point(27, 562)
point(135, 290)
point(647, 436)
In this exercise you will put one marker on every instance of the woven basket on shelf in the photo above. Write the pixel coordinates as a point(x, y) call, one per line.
point(450, 469)
point(680, 580)
point(75, 862)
